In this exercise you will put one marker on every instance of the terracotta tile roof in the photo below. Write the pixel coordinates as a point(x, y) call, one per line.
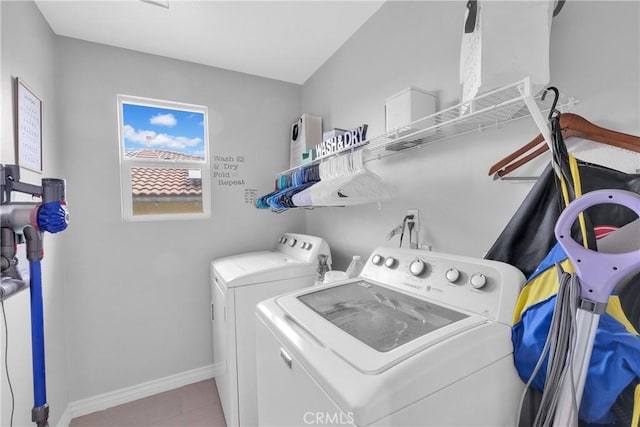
point(163, 182)
point(147, 153)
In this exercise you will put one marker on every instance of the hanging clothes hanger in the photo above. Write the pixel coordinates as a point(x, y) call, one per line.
point(330, 170)
point(571, 125)
point(344, 181)
point(363, 186)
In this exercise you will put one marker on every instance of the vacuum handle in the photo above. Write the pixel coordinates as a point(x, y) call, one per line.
point(53, 190)
point(599, 272)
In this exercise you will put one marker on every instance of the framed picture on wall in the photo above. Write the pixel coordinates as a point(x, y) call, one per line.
point(29, 127)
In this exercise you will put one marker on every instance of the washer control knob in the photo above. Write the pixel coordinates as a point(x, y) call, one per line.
point(391, 262)
point(309, 246)
point(418, 267)
point(292, 242)
point(377, 259)
point(478, 280)
point(452, 275)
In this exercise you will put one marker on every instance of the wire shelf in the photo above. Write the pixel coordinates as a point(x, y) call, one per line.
point(491, 109)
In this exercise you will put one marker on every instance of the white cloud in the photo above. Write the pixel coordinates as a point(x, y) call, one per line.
point(150, 139)
point(140, 137)
point(168, 120)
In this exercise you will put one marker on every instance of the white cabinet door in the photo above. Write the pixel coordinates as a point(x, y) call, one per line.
point(287, 394)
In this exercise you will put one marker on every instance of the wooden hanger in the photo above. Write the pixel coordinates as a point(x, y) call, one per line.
point(571, 125)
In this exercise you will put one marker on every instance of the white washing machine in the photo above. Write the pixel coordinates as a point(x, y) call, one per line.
point(419, 339)
point(238, 283)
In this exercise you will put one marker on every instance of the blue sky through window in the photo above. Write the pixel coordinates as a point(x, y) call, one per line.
point(163, 129)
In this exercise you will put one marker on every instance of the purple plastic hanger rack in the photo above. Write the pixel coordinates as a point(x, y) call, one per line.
point(599, 273)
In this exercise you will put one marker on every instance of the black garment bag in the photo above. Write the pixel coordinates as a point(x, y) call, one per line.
point(528, 236)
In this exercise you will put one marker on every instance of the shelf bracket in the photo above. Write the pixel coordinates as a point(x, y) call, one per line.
point(538, 118)
point(536, 114)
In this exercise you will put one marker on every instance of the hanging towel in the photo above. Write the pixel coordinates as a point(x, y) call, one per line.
point(509, 40)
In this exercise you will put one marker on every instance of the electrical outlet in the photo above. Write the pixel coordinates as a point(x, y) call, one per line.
point(413, 238)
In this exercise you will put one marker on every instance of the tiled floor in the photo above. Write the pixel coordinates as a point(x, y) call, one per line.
point(194, 405)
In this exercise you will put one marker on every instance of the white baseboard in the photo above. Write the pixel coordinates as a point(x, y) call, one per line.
point(104, 401)
point(66, 418)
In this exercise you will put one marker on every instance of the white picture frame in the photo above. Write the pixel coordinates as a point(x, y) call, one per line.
point(28, 127)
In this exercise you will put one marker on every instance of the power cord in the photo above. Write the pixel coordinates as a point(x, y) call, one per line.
point(6, 361)
point(404, 225)
point(410, 224)
point(559, 346)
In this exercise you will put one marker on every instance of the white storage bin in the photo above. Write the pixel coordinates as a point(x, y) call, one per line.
point(408, 106)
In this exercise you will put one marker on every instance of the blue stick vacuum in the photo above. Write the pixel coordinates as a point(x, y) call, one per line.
point(31, 220)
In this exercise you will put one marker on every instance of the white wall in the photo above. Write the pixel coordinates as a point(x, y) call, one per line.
point(418, 43)
point(28, 52)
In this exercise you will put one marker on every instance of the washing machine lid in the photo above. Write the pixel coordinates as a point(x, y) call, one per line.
point(371, 326)
point(258, 267)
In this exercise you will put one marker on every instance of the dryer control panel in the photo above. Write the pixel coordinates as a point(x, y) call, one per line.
point(484, 287)
point(303, 247)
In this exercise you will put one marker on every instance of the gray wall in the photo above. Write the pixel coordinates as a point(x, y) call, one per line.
point(138, 293)
point(462, 210)
point(129, 302)
point(28, 52)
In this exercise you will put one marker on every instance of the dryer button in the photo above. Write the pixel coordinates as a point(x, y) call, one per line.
point(377, 259)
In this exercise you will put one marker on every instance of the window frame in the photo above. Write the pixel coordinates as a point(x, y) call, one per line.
point(127, 164)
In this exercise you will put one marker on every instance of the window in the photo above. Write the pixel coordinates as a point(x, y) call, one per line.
point(164, 159)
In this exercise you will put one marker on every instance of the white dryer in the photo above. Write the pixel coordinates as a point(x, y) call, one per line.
point(419, 339)
point(238, 283)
